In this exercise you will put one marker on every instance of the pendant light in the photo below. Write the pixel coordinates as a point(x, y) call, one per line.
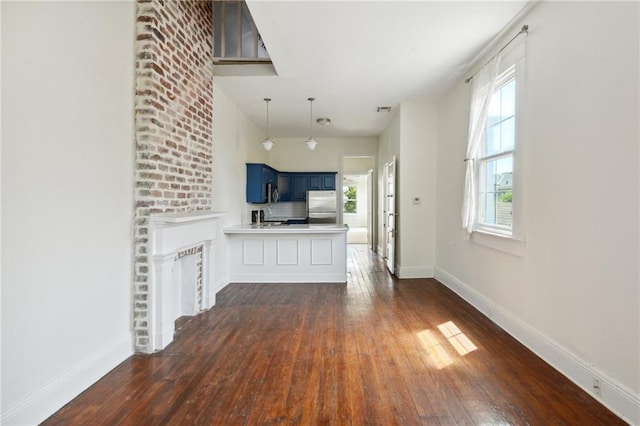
point(311, 142)
point(267, 143)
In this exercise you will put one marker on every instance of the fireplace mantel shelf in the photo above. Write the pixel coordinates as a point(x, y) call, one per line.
point(185, 217)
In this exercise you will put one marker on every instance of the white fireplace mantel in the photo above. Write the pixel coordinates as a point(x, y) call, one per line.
point(171, 234)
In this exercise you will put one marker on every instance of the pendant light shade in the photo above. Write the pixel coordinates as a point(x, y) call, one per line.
point(267, 144)
point(311, 142)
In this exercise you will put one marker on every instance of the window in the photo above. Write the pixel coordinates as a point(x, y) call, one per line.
point(350, 198)
point(236, 37)
point(495, 160)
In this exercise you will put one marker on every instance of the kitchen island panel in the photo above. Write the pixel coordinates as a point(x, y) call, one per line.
point(286, 254)
point(321, 252)
point(252, 252)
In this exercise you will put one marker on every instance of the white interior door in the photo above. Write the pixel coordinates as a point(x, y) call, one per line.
point(390, 213)
point(370, 207)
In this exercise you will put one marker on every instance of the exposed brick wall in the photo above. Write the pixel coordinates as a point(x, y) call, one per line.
point(174, 90)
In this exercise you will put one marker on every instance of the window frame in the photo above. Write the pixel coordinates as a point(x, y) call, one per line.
point(345, 199)
point(506, 76)
point(512, 242)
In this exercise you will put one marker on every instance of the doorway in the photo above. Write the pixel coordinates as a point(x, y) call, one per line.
point(390, 214)
point(358, 199)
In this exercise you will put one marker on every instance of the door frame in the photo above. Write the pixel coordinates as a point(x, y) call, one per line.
point(389, 248)
point(373, 201)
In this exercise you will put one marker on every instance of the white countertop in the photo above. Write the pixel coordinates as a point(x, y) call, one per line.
point(331, 228)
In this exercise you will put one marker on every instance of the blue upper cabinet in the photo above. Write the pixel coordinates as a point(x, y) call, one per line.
point(322, 181)
point(292, 186)
point(299, 184)
point(315, 182)
point(258, 176)
point(303, 182)
point(284, 186)
point(329, 181)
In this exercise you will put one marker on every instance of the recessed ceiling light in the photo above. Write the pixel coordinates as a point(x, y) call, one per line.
point(323, 121)
point(384, 109)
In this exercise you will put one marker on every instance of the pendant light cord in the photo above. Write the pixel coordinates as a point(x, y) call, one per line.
point(311, 117)
point(267, 100)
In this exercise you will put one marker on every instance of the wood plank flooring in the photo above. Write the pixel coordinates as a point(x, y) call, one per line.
point(376, 351)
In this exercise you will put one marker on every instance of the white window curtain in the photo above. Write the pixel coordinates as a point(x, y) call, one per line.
point(483, 85)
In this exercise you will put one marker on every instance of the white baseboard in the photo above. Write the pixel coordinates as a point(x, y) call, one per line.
point(210, 299)
point(613, 395)
point(45, 401)
point(220, 284)
point(414, 272)
point(289, 278)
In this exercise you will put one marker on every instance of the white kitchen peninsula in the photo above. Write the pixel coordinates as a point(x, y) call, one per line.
point(315, 253)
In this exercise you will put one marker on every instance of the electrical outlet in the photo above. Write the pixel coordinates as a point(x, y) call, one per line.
point(597, 389)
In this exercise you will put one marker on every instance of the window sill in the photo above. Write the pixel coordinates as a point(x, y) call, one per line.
point(510, 244)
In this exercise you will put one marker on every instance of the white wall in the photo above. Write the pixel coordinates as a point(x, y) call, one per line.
point(236, 141)
point(357, 165)
point(411, 137)
point(573, 297)
point(416, 179)
point(292, 155)
point(67, 183)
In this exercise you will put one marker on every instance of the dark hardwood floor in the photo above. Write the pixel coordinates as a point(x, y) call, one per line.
point(374, 351)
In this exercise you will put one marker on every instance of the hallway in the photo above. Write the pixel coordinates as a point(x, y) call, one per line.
point(374, 351)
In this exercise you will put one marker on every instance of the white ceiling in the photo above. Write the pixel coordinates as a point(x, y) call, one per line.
point(354, 56)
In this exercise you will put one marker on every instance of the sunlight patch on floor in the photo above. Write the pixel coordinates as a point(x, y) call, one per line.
point(437, 354)
point(461, 343)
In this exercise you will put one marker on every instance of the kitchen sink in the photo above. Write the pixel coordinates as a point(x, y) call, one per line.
point(270, 224)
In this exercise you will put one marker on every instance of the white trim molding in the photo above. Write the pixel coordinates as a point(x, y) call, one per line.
point(618, 398)
point(404, 272)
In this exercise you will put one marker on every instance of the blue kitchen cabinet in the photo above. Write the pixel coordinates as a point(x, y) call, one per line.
point(329, 181)
point(322, 181)
point(292, 186)
point(299, 186)
point(315, 182)
point(296, 221)
point(258, 176)
point(269, 175)
point(303, 182)
point(284, 186)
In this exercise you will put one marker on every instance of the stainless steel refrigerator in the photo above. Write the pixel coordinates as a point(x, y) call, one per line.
point(322, 207)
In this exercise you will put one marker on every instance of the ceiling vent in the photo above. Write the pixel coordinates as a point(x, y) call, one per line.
point(384, 109)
